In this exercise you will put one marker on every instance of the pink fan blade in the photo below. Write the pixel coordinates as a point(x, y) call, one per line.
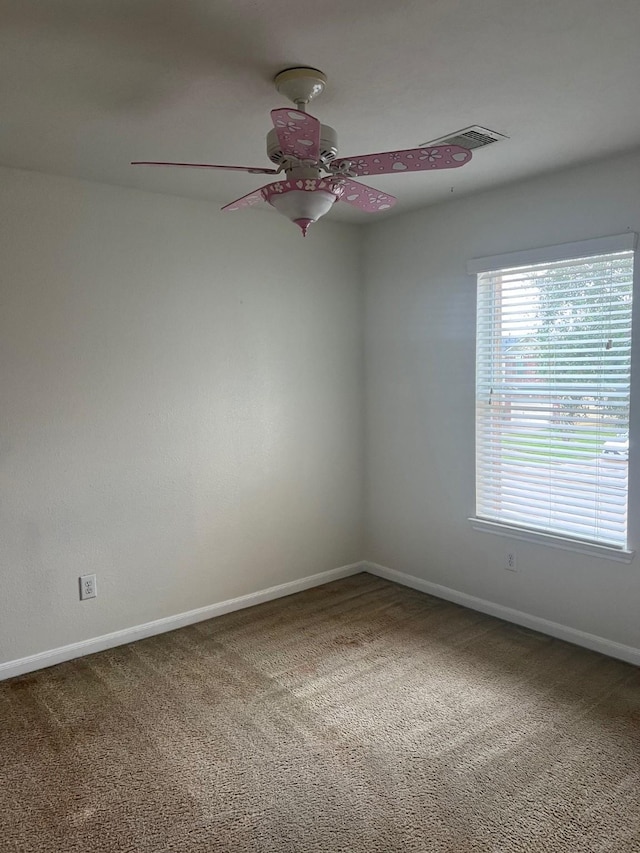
point(247, 200)
point(366, 198)
point(254, 170)
point(411, 160)
point(298, 134)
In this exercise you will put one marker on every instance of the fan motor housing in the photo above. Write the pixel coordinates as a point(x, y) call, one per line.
point(328, 145)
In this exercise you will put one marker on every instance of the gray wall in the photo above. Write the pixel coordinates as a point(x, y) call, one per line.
point(182, 403)
point(420, 374)
point(181, 406)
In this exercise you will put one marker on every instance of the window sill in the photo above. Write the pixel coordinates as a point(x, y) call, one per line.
point(605, 552)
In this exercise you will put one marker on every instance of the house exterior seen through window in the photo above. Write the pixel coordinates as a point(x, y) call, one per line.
point(552, 393)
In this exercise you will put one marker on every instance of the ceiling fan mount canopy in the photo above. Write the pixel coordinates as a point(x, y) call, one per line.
point(307, 152)
point(300, 85)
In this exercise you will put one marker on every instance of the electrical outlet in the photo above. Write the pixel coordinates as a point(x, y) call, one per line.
point(88, 588)
point(510, 561)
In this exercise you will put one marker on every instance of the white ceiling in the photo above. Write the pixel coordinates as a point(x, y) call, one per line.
point(88, 85)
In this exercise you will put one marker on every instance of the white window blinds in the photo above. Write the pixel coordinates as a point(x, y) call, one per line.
point(552, 405)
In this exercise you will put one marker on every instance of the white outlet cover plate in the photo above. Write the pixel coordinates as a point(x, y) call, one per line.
point(510, 563)
point(88, 588)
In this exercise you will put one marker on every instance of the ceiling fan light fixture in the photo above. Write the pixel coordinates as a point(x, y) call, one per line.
point(303, 201)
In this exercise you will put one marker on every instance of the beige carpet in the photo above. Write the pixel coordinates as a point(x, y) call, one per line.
point(359, 716)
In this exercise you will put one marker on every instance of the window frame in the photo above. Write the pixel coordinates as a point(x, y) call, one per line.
point(552, 254)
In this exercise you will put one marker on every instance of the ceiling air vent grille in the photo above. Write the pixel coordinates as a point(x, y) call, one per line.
point(469, 138)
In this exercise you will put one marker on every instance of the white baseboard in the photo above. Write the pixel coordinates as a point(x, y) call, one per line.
point(170, 623)
point(630, 654)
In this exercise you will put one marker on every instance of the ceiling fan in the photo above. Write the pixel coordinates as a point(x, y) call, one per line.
point(307, 152)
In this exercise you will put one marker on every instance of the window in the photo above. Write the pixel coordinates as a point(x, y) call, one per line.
point(552, 389)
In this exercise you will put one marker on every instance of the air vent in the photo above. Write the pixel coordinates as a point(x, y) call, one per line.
point(469, 138)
